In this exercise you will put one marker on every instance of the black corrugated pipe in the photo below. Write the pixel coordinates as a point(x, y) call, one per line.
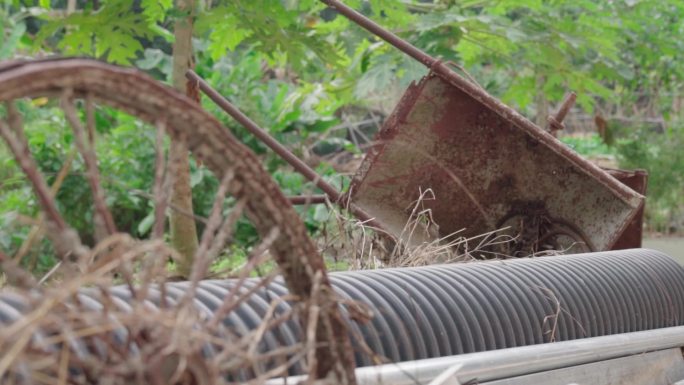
point(443, 310)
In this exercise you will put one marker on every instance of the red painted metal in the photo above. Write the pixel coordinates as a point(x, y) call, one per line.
point(637, 180)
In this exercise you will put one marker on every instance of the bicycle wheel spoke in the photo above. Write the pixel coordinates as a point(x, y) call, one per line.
point(202, 257)
point(28, 165)
point(103, 217)
point(65, 240)
point(15, 121)
point(161, 182)
point(37, 231)
point(225, 233)
point(90, 119)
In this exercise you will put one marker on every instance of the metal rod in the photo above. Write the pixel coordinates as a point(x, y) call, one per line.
point(308, 199)
point(556, 122)
point(505, 363)
point(381, 32)
point(439, 68)
point(284, 153)
point(568, 102)
point(265, 137)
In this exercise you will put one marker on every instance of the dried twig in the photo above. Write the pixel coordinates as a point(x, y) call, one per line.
point(202, 258)
point(37, 230)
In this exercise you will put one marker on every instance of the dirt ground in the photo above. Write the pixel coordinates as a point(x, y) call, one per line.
point(673, 247)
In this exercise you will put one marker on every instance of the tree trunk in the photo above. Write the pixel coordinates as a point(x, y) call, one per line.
point(542, 104)
point(183, 229)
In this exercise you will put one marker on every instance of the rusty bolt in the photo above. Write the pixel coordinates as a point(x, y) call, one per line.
point(556, 122)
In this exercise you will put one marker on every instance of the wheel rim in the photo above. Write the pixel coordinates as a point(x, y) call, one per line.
point(243, 177)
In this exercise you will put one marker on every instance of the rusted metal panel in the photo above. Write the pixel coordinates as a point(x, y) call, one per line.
point(637, 180)
point(487, 169)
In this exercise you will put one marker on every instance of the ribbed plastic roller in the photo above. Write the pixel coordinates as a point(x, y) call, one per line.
point(441, 310)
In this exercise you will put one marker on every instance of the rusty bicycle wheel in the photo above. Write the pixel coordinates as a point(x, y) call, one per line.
point(76, 89)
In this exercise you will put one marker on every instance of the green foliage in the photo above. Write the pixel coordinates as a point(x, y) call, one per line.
point(114, 32)
point(552, 47)
point(293, 65)
point(13, 28)
point(155, 10)
point(272, 27)
point(588, 146)
point(126, 162)
point(661, 154)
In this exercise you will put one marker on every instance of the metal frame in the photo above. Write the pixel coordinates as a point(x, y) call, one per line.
point(506, 363)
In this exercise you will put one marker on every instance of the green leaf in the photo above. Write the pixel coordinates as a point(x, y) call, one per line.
point(112, 33)
point(586, 102)
point(522, 91)
point(197, 176)
point(155, 59)
point(433, 20)
point(9, 45)
point(378, 77)
point(163, 32)
point(321, 213)
point(146, 224)
point(226, 36)
point(121, 47)
point(410, 71)
point(155, 10)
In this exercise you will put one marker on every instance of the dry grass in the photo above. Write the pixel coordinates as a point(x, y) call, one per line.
point(75, 331)
point(359, 246)
point(432, 249)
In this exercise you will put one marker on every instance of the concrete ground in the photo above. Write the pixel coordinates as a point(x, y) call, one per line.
point(673, 247)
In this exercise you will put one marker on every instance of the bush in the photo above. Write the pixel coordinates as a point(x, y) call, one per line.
point(661, 154)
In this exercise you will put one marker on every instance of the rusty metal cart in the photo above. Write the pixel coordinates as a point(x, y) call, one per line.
point(487, 167)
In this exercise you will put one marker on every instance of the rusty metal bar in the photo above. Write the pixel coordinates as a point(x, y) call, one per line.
point(308, 199)
point(556, 122)
point(265, 137)
point(381, 32)
point(568, 102)
point(301, 167)
point(441, 69)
